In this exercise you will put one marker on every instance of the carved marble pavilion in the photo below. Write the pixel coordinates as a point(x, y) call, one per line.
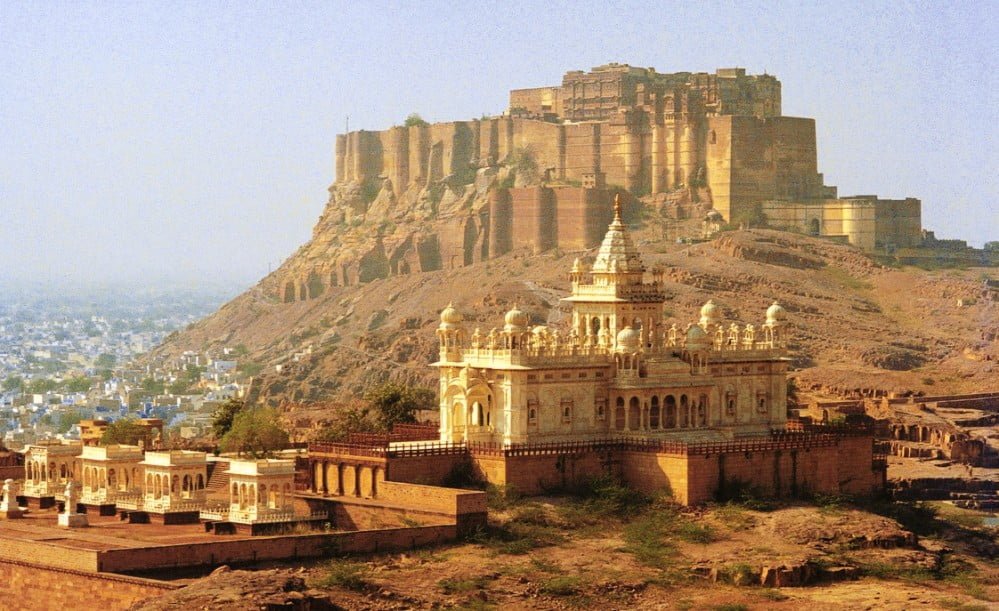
point(619, 371)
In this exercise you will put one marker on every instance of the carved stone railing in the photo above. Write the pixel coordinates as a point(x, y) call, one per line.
point(133, 501)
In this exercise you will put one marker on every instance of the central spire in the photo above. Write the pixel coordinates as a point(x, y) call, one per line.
point(617, 253)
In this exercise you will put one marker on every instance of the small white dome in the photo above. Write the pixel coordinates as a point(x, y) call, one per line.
point(628, 339)
point(775, 313)
point(516, 319)
point(451, 316)
point(710, 313)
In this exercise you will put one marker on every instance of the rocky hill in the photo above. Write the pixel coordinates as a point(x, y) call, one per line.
point(857, 325)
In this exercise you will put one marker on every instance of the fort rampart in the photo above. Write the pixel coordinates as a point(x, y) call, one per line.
point(742, 159)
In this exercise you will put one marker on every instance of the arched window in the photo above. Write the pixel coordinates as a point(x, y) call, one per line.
point(566, 410)
point(634, 414)
point(619, 419)
point(654, 413)
point(670, 412)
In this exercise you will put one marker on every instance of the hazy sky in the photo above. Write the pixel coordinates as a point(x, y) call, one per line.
point(149, 140)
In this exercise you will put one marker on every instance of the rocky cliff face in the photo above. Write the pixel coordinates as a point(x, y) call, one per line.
point(359, 302)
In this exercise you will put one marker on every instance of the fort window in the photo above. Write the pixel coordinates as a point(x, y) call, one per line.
point(654, 413)
point(532, 415)
point(601, 406)
point(619, 419)
point(566, 410)
point(713, 139)
point(670, 412)
point(761, 402)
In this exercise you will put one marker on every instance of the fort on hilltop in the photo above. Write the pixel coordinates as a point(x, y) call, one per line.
point(543, 174)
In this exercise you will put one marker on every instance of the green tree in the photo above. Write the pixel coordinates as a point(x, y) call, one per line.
point(414, 120)
point(41, 386)
point(255, 432)
point(105, 361)
point(152, 387)
point(67, 419)
point(78, 384)
point(348, 420)
point(180, 387)
point(13, 383)
point(224, 415)
point(792, 392)
point(125, 431)
point(394, 403)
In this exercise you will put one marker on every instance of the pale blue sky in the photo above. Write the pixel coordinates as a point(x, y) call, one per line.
point(150, 140)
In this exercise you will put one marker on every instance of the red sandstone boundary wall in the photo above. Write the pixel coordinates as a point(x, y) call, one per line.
point(53, 556)
point(27, 586)
point(257, 549)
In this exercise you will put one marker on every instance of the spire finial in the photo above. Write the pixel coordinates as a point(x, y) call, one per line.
point(617, 207)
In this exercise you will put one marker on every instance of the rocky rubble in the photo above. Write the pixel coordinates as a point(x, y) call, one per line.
point(267, 590)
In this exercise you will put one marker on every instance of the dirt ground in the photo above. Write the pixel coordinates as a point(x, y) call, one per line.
point(566, 553)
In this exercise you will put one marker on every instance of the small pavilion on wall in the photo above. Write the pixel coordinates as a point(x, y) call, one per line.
point(620, 368)
point(48, 466)
point(110, 471)
point(173, 483)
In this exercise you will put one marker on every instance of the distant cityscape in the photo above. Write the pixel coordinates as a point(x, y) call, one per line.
point(69, 356)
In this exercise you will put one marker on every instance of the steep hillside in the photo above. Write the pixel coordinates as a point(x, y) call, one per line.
point(856, 325)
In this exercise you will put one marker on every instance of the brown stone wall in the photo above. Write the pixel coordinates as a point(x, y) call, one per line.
point(541, 138)
point(348, 515)
point(855, 474)
point(898, 222)
point(500, 223)
point(428, 470)
point(650, 473)
point(34, 587)
point(582, 150)
point(271, 548)
point(536, 474)
point(582, 216)
point(533, 218)
point(49, 555)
